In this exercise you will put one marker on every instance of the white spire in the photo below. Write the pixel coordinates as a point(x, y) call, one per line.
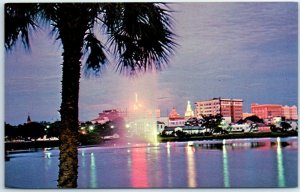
point(189, 111)
point(136, 98)
point(136, 105)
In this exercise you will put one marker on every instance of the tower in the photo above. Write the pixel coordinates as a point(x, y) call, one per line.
point(28, 119)
point(189, 112)
point(173, 114)
point(137, 105)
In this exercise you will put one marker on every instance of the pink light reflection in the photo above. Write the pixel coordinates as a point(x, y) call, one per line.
point(139, 178)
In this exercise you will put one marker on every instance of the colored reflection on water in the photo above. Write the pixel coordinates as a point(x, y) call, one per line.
point(93, 172)
point(129, 162)
point(139, 178)
point(169, 169)
point(265, 162)
point(47, 157)
point(280, 167)
point(225, 168)
point(83, 158)
point(191, 170)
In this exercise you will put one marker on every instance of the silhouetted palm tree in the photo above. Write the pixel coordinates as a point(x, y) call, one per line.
point(139, 35)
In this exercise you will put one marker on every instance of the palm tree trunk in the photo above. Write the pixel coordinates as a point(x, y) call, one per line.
point(69, 118)
point(72, 40)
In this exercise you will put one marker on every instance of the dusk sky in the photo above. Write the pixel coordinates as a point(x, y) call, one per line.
point(231, 50)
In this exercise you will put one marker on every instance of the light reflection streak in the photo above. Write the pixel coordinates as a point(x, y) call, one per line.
point(280, 168)
point(47, 156)
point(93, 176)
point(139, 178)
point(83, 158)
point(169, 165)
point(191, 171)
point(225, 168)
point(157, 176)
point(128, 159)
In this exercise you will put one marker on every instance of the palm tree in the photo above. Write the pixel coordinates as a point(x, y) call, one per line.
point(139, 35)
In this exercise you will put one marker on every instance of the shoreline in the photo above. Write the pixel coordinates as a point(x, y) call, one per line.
point(14, 146)
point(229, 136)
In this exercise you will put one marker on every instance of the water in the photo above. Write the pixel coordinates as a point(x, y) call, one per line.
point(269, 162)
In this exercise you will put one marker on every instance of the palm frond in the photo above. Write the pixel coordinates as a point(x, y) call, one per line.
point(20, 19)
point(96, 58)
point(140, 34)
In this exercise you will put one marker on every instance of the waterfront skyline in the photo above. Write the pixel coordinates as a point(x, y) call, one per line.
point(229, 50)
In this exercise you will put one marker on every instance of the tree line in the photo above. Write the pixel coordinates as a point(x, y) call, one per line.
point(32, 130)
point(88, 132)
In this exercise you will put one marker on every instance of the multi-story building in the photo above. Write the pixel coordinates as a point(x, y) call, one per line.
point(268, 111)
point(290, 113)
point(228, 108)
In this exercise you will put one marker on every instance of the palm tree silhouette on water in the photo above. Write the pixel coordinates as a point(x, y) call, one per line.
point(138, 34)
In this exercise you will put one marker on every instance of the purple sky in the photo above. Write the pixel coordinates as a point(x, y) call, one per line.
point(231, 50)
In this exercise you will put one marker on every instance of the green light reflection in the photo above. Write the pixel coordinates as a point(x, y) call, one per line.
point(280, 168)
point(83, 158)
point(225, 168)
point(93, 179)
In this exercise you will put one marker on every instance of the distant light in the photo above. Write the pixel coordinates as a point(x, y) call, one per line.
point(127, 125)
point(91, 127)
point(278, 139)
point(112, 126)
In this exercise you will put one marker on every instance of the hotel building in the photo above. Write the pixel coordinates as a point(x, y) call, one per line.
point(268, 111)
point(290, 112)
point(228, 108)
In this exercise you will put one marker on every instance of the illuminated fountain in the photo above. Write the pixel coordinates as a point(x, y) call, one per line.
point(141, 123)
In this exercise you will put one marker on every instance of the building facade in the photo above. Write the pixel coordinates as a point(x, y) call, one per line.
point(229, 108)
point(107, 115)
point(266, 111)
point(290, 112)
point(269, 111)
point(175, 120)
